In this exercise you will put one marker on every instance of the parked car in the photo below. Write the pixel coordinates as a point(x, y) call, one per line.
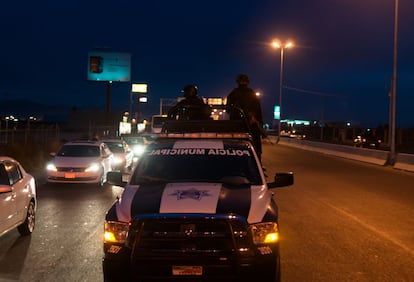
point(17, 197)
point(80, 162)
point(367, 141)
point(123, 155)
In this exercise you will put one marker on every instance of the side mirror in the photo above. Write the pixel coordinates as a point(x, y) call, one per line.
point(282, 179)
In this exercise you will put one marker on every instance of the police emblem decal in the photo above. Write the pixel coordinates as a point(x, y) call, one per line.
point(190, 194)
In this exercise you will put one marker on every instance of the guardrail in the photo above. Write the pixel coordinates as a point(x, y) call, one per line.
point(379, 157)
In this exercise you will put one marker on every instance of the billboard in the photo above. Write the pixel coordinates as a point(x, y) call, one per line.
point(109, 66)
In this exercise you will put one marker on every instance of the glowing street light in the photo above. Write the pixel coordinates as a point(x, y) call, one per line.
point(277, 44)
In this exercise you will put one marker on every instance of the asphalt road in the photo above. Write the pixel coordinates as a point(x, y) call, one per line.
point(342, 221)
point(67, 242)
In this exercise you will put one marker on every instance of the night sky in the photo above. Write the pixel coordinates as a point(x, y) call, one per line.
point(339, 70)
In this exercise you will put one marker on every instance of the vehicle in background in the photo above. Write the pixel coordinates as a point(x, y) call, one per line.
point(17, 197)
point(123, 154)
point(367, 141)
point(294, 133)
point(138, 143)
point(157, 122)
point(285, 133)
point(197, 207)
point(80, 162)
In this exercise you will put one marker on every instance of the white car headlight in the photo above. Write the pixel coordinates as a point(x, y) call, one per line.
point(51, 167)
point(265, 233)
point(92, 168)
point(116, 232)
point(139, 150)
point(117, 160)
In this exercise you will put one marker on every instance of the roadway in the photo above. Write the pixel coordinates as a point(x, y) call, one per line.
point(342, 220)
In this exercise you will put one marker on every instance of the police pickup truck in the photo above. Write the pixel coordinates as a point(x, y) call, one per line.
point(197, 207)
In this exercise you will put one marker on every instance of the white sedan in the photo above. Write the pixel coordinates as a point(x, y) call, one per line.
point(80, 162)
point(17, 197)
point(123, 155)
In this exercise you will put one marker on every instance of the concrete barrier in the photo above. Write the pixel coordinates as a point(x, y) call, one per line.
point(379, 157)
point(405, 162)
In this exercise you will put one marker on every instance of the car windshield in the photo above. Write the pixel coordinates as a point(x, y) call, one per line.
point(79, 151)
point(135, 140)
point(230, 168)
point(115, 147)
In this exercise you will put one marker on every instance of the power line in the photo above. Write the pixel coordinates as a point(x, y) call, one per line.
point(312, 92)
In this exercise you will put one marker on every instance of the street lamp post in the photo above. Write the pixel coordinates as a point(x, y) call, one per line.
point(7, 128)
point(392, 154)
point(282, 46)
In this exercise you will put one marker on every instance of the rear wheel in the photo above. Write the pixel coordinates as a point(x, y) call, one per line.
point(27, 227)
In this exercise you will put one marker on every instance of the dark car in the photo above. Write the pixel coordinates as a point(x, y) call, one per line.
point(367, 141)
point(197, 207)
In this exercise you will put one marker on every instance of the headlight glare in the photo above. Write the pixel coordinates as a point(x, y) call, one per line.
point(116, 232)
point(265, 233)
point(139, 149)
point(51, 167)
point(93, 167)
point(117, 160)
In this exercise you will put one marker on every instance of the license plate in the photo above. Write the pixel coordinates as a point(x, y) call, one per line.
point(70, 175)
point(187, 270)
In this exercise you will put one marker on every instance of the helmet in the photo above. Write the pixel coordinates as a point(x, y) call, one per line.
point(242, 79)
point(190, 90)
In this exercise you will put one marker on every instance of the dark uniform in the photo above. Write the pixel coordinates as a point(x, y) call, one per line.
point(244, 98)
point(191, 107)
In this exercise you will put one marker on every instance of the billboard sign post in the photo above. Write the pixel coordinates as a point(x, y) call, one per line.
point(109, 67)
